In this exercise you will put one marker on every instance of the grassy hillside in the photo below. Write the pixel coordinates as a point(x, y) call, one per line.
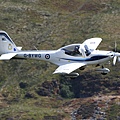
point(28, 89)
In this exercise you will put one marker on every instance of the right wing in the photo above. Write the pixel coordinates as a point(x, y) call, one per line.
point(68, 68)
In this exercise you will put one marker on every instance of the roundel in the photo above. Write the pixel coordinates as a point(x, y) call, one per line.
point(47, 56)
point(9, 47)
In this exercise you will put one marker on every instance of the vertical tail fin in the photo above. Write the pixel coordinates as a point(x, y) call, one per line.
point(6, 44)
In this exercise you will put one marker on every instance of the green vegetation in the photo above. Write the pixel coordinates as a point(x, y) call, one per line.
point(114, 112)
point(28, 89)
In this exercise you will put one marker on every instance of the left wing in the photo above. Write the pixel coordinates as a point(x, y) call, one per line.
point(68, 68)
point(92, 43)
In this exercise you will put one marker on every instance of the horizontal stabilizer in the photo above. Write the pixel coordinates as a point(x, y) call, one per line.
point(19, 48)
point(68, 68)
point(7, 56)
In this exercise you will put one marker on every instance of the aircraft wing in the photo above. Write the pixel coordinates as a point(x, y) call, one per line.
point(92, 43)
point(68, 68)
point(7, 56)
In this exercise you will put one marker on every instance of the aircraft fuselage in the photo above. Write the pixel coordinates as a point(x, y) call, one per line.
point(59, 57)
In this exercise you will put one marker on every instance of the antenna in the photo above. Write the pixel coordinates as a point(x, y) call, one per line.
point(115, 46)
point(35, 48)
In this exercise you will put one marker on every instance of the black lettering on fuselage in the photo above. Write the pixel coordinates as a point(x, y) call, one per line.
point(32, 55)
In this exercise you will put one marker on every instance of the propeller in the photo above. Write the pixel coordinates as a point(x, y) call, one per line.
point(114, 60)
point(116, 55)
point(119, 59)
point(115, 46)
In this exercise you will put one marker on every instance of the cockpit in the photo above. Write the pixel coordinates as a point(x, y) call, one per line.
point(77, 50)
point(72, 50)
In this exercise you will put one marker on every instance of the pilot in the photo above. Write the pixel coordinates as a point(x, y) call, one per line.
point(76, 50)
point(87, 50)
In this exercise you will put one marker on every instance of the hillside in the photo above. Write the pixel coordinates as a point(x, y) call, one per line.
point(28, 89)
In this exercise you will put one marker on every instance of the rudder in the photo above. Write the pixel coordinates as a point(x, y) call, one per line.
point(6, 44)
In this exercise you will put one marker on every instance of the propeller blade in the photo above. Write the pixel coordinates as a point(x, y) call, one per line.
point(115, 46)
point(117, 54)
point(119, 59)
point(114, 60)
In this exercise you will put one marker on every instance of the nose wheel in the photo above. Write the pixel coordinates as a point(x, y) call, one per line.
point(103, 73)
point(103, 70)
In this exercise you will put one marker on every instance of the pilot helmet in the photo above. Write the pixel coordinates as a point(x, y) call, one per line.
point(76, 48)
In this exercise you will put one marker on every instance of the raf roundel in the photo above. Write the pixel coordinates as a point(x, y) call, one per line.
point(47, 56)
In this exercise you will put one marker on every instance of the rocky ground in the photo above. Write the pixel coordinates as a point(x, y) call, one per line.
point(93, 108)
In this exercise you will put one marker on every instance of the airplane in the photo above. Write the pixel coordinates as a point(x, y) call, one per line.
point(68, 58)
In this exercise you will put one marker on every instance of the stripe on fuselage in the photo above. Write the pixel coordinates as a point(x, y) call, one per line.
point(94, 58)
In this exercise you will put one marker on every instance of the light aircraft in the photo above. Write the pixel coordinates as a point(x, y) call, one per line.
point(68, 58)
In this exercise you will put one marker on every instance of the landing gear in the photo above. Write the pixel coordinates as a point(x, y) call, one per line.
point(71, 75)
point(97, 65)
point(104, 73)
point(103, 70)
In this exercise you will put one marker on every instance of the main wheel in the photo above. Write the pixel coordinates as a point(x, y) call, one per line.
point(104, 73)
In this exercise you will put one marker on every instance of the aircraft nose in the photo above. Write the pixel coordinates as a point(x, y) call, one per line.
point(111, 55)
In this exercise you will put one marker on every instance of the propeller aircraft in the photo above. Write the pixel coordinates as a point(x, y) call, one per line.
point(68, 58)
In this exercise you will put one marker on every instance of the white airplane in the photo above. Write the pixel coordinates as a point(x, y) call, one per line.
point(68, 58)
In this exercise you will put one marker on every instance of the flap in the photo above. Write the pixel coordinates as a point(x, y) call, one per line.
point(68, 68)
point(7, 56)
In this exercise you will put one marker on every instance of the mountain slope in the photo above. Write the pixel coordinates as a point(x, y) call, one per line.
point(52, 24)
